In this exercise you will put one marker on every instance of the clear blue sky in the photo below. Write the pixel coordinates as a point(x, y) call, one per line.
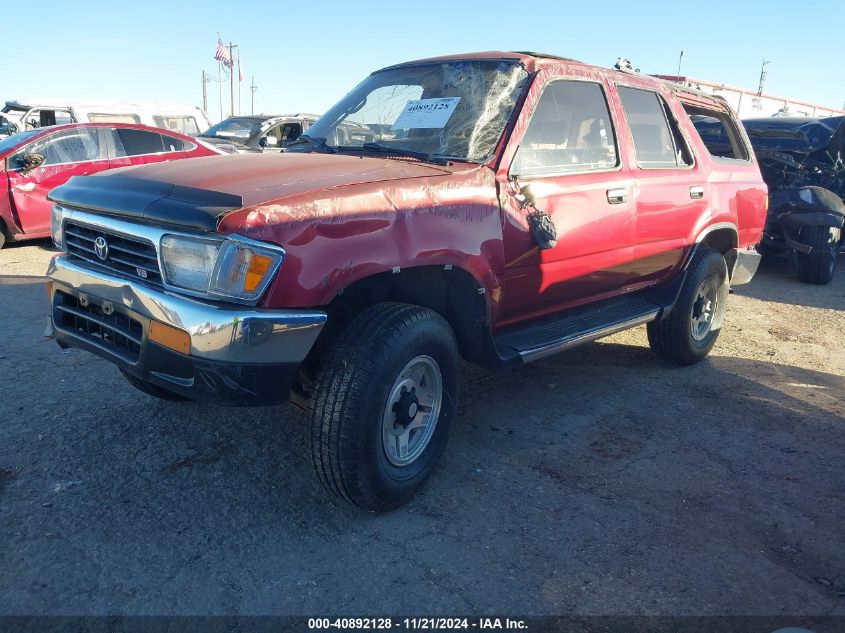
point(306, 55)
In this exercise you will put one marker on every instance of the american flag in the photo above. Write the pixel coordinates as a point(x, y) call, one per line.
point(222, 54)
point(240, 70)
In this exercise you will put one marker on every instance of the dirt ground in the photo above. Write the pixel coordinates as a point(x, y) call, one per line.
point(595, 482)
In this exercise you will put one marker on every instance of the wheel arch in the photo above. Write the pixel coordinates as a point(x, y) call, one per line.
point(722, 237)
point(451, 291)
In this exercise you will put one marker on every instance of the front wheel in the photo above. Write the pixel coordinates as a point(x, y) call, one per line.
point(819, 265)
point(689, 332)
point(385, 397)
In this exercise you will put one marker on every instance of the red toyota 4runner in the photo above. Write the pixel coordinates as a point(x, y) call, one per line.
point(498, 207)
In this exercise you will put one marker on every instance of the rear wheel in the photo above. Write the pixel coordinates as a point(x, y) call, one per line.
point(819, 265)
point(383, 403)
point(689, 332)
point(152, 390)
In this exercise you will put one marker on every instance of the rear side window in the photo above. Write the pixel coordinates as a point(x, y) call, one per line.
point(718, 132)
point(570, 131)
point(129, 142)
point(658, 143)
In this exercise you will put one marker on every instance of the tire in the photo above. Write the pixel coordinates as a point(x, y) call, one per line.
point(2, 234)
point(360, 406)
point(819, 266)
point(689, 332)
point(153, 390)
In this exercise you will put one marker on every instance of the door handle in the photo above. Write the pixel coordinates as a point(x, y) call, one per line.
point(617, 196)
point(696, 192)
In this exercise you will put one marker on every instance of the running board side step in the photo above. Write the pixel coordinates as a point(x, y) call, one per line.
point(549, 335)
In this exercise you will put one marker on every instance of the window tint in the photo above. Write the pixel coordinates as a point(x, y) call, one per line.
point(657, 145)
point(68, 146)
point(718, 132)
point(129, 142)
point(114, 118)
point(570, 130)
point(183, 124)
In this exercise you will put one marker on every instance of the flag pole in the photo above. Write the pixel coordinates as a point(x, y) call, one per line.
point(231, 79)
point(239, 81)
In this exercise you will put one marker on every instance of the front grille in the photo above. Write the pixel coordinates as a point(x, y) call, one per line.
point(86, 318)
point(132, 257)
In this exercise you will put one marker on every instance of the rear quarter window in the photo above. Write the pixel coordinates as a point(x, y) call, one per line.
point(719, 133)
point(132, 142)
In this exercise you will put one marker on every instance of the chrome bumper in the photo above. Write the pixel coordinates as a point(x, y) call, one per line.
point(240, 335)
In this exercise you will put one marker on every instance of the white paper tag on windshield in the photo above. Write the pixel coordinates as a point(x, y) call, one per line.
point(430, 113)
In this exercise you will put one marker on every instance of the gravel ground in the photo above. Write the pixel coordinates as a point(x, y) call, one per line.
point(595, 482)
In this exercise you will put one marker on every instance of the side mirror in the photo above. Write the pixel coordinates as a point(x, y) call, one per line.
point(270, 141)
point(30, 161)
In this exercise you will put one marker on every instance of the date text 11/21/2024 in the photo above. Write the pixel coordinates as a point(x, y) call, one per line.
point(419, 623)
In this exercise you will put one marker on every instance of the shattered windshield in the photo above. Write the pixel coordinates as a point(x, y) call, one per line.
point(234, 128)
point(445, 109)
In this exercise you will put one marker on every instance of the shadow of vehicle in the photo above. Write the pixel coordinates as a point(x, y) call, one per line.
point(768, 286)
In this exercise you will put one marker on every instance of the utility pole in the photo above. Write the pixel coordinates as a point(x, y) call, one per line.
point(232, 48)
point(252, 88)
point(680, 61)
point(763, 73)
point(204, 92)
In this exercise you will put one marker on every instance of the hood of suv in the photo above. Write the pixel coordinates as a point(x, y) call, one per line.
point(196, 193)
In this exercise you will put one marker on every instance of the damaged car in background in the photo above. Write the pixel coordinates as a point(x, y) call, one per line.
point(258, 133)
point(803, 163)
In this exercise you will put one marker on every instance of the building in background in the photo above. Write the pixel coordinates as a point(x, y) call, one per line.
point(748, 104)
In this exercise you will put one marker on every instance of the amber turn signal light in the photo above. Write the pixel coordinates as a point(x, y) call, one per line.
point(258, 267)
point(170, 337)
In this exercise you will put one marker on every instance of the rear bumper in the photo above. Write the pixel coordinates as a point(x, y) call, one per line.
point(745, 266)
point(238, 356)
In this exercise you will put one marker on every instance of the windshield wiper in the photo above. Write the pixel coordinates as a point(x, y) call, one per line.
point(423, 156)
point(316, 141)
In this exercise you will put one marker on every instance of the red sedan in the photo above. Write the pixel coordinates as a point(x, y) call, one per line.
point(34, 162)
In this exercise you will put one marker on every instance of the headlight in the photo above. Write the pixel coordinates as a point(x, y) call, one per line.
point(56, 226)
point(188, 263)
point(232, 268)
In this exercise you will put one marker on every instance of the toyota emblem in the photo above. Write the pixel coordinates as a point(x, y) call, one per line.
point(101, 248)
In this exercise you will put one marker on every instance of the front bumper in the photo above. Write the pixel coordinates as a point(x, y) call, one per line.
point(237, 355)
